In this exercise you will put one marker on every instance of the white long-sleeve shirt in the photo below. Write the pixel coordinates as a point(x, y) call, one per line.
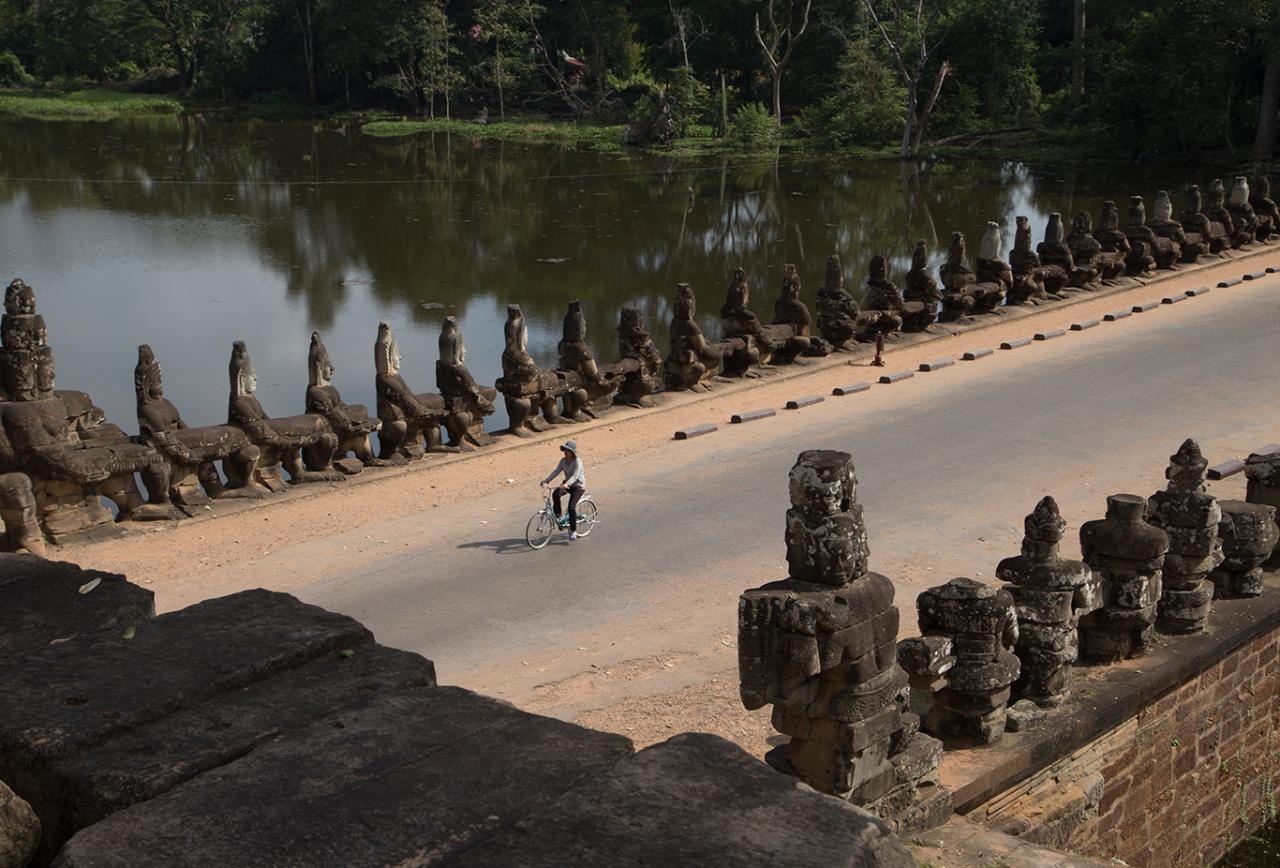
point(574, 473)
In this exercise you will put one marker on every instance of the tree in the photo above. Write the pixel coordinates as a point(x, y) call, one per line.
point(206, 34)
point(304, 11)
point(1264, 141)
point(416, 55)
point(1077, 52)
point(912, 44)
point(500, 22)
point(783, 36)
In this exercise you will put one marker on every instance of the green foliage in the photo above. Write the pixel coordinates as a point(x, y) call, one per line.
point(753, 128)
point(85, 104)
point(12, 72)
point(597, 137)
point(863, 108)
point(994, 45)
point(690, 99)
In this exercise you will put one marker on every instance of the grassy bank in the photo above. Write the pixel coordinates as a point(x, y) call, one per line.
point(84, 104)
point(525, 130)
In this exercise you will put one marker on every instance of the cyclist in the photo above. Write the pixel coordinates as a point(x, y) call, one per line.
point(575, 482)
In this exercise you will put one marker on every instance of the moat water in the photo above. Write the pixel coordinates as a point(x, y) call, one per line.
point(187, 235)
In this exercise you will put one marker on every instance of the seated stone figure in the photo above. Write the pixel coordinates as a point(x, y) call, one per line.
point(18, 515)
point(993, 273)
point(634, 342)
point(466, 402)
point(526, 389)
point(191, 451)
point(760, 343)
point(1033, 282)
point(839, 318)
point(349, 422)
point(884, 297)
point(959, 283)
point(1246, 219)
point(789, 310)
point(1194, 219)
point(410, 420)
point(590, 388)
point(693, 360)
point(1218, 212)
point(1090, 265)
point(1163, 225)
point(280, 441)
point(921, 295)
point(1266, 209)
point(1115, 244)
point(1145, 251)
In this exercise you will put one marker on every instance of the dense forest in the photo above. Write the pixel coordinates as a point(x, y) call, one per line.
point(1152, 78)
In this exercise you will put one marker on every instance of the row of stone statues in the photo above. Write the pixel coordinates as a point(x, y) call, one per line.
point(821, 645)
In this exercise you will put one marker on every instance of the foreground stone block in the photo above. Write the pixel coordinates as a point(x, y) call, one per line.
point(19, 829)
point(692, 800)
point(1189, 515)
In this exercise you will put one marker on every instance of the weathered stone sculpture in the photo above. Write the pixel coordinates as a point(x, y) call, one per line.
point(1248, 533)
point(994, 274)
point(884, 297)
point(759, 342)
point(821, 647)
point(1147, 250)
point(921, 294)
point(1115, 244)
point(1189, 515)
point(1189, 244)
point(978, 626)
point(692, 360)
point(26, 360)
point(1262, 469)
point(525, 387)
point(1212, 233)
point(280, 441)
point(1091, 264)
point(18, 514)
point(1246, 219)
point(410, 420)
point(1050, 595)
point(192, 451)
point(350, 423)
point(1219, 212)
point(959, 296)
point(840, 320)
point(1127, 555)
point(1265, 208)
point(590, 388)
point(634, 343)
point(789, 310)
point(1033, 281)
point(466, 402)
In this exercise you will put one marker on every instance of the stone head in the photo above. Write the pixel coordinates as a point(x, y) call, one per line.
point(1082, 223)
point(147, 383)
point(1053, 230)
point(386, 351)
point(19, 299)
point(1110, 220)
point(1187, 468)
point(1022, 235)
point(244, 379)
point(686, 305)
point(1127, 508)
point(1217, 193)
point(878, 269)
point(575, 323)
point(834, 277)
point(920, 256)
point(1263, 185)
point(790, 282)
point(1137, 211)
point(739, 294)
point(630, 320)
point(1240, 191)
point(453, 349)
point(1045, 523)
point(1194, 201)
point(822, 483)
point(992, 247)
point(956, 253)
point(1162, 211)
point(515, 330)
point(319, 365)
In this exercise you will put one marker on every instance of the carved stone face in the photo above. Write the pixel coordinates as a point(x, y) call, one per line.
point(992, 242)
point(878, 268)
point(834, 278)
point(1162, 211)
point(386, 352)
point(1194, 200)
point(147, 376)
point(790, 282)
point(453, 350)
point(1240, 191)
point(515, 330)
point(739, 294)
point(630, 319)
point(244, 380)
point(1263, 185)
point(822, 487)
point(575, 324)
point(1110, 221)
point(956, 253)
point(1045, 523)
point(686, 306)
point(1022, 236)
point(320, 366)
point(1082, 223)
point(1217, 193)
point(1053, 230)
point(19, 299)
point(920, 256)
point(1137, 211)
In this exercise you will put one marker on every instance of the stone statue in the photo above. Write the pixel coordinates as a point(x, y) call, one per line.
point(1050, 594)
point(350, 423)
point(590, 388)
point(978, 625)
point(1189, 515)
point(191, 451)
point(921, 294)
point(839, 318)
point(410, 420)
point(1164, 226)
point(1218, 212)
point(789, 310)
point(1114, 243)
point(693, 360)
point(280, 441)
point(1056, 250)
point(1246, 219)
point(1127, 555)
point(884, 296)
point(26, 366)
point(1147, 250)
point(634, 343)
point(1262, 470)
point(1212, 233)
point(466, 402)
point(820, 646)
point(738, 321)
point(1091, 264)
point(1248, 533)
point(18, 513)
point(959, 296)
point(525, 387)
point(1033, 282)
point(1265, 208)
point(994, 274)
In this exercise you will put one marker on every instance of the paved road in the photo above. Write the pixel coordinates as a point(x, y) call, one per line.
point(949, 463)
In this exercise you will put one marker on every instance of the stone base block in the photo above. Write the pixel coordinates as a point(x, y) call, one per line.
point(1234, 585)
point(912, 808)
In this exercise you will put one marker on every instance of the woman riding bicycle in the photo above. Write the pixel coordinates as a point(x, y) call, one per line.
point(575, 482)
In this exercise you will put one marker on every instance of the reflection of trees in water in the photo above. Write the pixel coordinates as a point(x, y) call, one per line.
point(435, 218)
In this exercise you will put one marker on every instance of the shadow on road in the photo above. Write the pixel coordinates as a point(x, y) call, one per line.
point(505, 546)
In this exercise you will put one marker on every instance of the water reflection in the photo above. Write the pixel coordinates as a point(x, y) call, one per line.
point(187, 234)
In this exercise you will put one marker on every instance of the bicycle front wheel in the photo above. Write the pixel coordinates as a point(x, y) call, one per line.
point(539, 531)
point(586, 517)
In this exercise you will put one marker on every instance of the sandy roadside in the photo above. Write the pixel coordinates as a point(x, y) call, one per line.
point(157, 554)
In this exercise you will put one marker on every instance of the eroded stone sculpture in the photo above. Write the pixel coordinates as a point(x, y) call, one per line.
point(589, 387)
point(1127, 555)
point(411, 421)
point(1115, 244)
point(18, 514)
point(1262, 469)
point(992, 271)
point(960, 290)
point(1189, 515)
point(1189, 244)
point(1147, 250)
point(820, 646)
point(525, 387)
point(1242, 213)
point(466, 402)
point(634, 342)
point(1091, 264)
point(1218, 212)
point(1050, 595)
point(693, 361)
point(760, 343)
point(920, 294)
point(191, 452)
point(1265, 208)
point(884, 297)
point(789, 310)
point(280, 441)
point(1033, 281)
point(350, 423)
point(1248, 533)
point(1212, 233)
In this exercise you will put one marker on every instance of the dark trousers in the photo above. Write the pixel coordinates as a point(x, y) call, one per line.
point(575, 494)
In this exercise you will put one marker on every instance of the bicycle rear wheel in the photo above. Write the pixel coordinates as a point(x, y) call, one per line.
point(586, 517)
point(539, 531)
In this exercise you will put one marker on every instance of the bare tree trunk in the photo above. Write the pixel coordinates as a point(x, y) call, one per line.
point(1077, 53)
point(1264, 144)
point(724, 108)
point(502, 106)
point(777, 94)
point(308, 47)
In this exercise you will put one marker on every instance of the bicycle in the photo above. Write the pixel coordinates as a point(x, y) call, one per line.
point(543, 524)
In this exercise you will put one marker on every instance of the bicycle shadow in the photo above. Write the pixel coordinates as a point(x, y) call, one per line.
point(508, 546)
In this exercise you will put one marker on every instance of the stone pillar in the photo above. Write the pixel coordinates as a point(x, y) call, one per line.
point(979, 623)
point(821, 647)
point(1248, 534)
point(1189, 515)
point(1262, 469)
point(1050, 595)
point(1127, 555)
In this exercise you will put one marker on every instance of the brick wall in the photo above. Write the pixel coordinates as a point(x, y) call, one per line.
point(1198, 772)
